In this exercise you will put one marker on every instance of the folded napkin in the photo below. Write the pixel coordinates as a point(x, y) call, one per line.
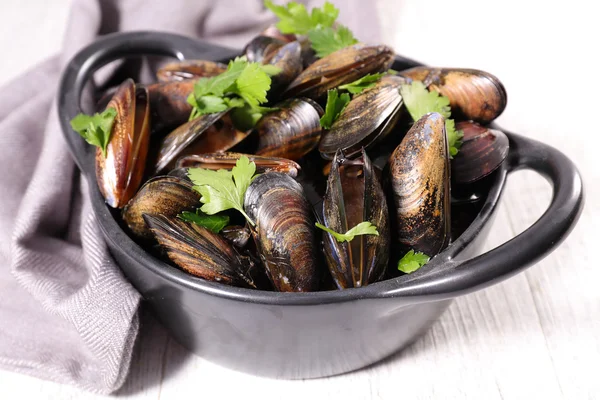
point(67, 314)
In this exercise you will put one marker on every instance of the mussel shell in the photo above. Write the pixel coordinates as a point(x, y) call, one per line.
point(120, 173)
point(284, 232)
point(261, 47)
point(161, 195)
point(189, 69)
point(274, 32)
point(199, 251)
point(168, 103)
point(237, 235)
point(473, 94)
point(289, 58)
point(227, 160)
point(420, 176)
point(291, 131)
point(367, 119)
point(343, 66)
point(483, 150)
point(354, 194)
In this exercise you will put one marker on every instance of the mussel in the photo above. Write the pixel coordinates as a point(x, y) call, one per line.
point(289, 59)
point(366, 120)
point(168, 103)
point(261, 47)
point(161, 195)
point(291, 131)
point(227, 160)
point(189, 69)
point(237, 235)
point(483, 150)
point(420, 175)
point(354, 195)
point(343, 66)
point(473, 94)
point(284, 232)
point(200, 252)
point(120, 173)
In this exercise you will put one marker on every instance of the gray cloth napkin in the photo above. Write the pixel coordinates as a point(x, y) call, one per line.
point(67, 314)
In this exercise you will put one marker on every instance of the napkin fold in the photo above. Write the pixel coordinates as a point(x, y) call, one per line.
point(67, 314)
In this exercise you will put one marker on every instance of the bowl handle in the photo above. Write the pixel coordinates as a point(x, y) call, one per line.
point(525, 249)
point(113, 47)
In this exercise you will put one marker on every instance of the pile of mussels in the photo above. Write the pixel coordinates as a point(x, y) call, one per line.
point(307, 174)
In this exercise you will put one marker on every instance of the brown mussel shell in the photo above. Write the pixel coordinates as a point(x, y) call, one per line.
point(161, 195)
point(274, 32)
point(420, 176)
point(284, 232)
point(354, 195)
point(262, 47)
point(473, 94)
point(120, 173)
point(289, 59)
point(291, 131)
point(199, 251)
point(366, 120)
point(189, 69)
point(237, 235)
point(343, 66)
point(168, 103)
point(483, 150)
point(227, 160)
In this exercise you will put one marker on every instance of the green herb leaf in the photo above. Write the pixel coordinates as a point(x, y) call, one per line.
point(95, 129)
point(270, 70)
point(334, 107)
point(420, 101)
point(223, 190)
point(214, 223)
point(361, 84)
point(252, 85)
point(364, 228)
point(294, 18)
point(246, 117)
point(412, 261)
point(325, 41)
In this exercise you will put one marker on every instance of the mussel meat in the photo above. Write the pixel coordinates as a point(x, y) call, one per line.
point(189, 69)
point(161, 195)
point(354, 195)
point(343, 66)
point(200, 252)
point(291, 131)
point(420, 176)
point(284, 232)
point(483, 150)
point(237, 235)
point(227, 160)
point(120, 173)
point(366, 120)
point(473, 94)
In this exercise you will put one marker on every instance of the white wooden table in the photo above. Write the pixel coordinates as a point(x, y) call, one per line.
point(534, 336)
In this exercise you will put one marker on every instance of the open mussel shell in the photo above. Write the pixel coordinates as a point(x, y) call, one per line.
point(261, 47)
point(343, 66)
point(162, 195)
point(483, 150)
point(227, 160)
point(366, 120)
point(120, 173)
point(199, 251)
point(189, 69)
point(420, 177)
point(237, 235)
point(284, 232)
point(473, 94)
point(168, 103)
point(289, 59)
point(291, 131)
point(354, 195)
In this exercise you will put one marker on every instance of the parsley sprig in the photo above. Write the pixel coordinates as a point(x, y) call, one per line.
point(412, 261)
point(420, 101)
point(361, 84)
point(95, 129)
point(334, 107)
point(222, 189)
point(214, 223)
point(364, 228)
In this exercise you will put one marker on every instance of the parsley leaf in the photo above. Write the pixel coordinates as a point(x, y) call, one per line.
point(325, 41)
point(252, 85)
point(222, 190)
point(364, 228)
point(246, 117)
point(214, 223)
point(334, 107)
point(412, 261)
point(95, 129)
point(294, 18)
point(363, 83)
point(420, 101)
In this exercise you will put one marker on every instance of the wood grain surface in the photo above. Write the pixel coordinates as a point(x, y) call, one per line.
point(535, 336)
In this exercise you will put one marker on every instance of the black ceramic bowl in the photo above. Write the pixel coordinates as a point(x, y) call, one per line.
point(305, 335)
